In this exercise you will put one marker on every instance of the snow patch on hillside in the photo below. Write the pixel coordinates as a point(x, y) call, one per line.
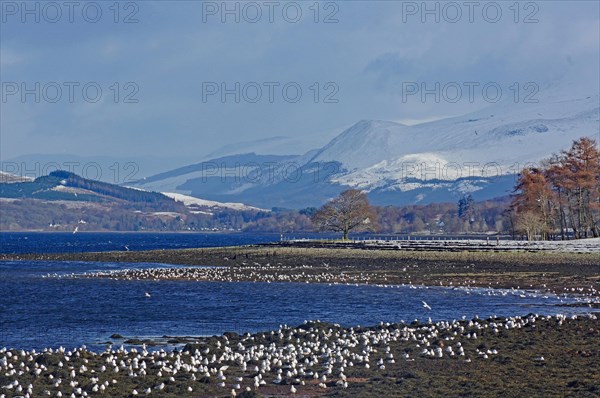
point(191, 201)
point(73, 190)
point(12, 178)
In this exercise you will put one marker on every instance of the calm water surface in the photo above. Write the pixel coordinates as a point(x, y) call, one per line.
point(68, 242)
point(62, 242)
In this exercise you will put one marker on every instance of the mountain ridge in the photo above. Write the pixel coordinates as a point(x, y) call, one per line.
point(478, 153)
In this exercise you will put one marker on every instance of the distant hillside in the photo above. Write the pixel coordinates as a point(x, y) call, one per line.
point(209, 167)
point(63, 185)
point(63, 201)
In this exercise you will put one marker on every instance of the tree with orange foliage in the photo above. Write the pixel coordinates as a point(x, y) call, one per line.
point(565, 194)
point(582, 164)
point(534, 200)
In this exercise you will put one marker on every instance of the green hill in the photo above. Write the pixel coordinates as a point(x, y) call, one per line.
point(63, 185)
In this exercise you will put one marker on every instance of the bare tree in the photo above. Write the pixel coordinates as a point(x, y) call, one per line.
point(348, 212)
point(532, 224)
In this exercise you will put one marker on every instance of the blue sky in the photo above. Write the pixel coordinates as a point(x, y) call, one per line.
point(178, 49)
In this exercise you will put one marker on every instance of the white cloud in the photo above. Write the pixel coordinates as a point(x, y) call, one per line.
point(368, 54)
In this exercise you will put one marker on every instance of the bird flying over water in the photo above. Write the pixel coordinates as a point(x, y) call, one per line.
point(425, 305)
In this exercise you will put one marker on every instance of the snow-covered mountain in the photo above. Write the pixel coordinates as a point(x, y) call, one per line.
point(477, 153)
point(488, 143)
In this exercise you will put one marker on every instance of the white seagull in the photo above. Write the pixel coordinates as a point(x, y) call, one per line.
point(425, 305)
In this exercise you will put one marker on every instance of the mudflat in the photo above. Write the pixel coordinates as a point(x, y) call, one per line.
point(545, 271)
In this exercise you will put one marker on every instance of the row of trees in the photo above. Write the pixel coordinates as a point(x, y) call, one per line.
point(34, 214)
point(351, 211)
point(562, 197)
point(449, 218)
point(559, 199)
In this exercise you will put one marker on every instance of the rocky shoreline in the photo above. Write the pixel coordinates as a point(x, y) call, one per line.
point(517, 356)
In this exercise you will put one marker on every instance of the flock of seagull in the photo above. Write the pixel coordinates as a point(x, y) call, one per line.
point(312, 356)
point(268, 273)
point(250, 273)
